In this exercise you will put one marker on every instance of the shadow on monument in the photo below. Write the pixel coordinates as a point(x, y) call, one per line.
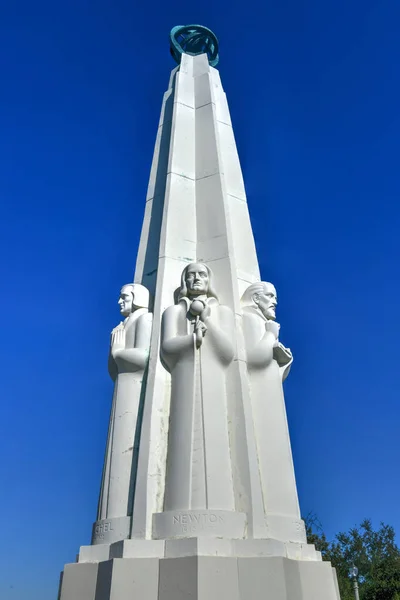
point(136, 444)
point(60, 585)
point(104, 577)
point(153, 246)
point(151, 260)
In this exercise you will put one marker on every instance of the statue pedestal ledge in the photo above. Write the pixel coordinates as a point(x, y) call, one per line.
point(198, 546)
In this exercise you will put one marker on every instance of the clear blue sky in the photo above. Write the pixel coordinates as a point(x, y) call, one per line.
point(314, 93)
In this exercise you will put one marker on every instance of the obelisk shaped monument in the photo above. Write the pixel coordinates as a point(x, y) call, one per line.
point(198, 496)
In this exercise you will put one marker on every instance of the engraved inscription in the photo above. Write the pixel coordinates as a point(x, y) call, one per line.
point(299, 526)
point(101, 529)
point(192, 522)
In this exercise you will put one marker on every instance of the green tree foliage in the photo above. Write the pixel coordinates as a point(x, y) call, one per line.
point(374, 552)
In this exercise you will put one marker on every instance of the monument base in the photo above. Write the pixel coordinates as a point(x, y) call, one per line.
point(200, 578)
point(199, 569)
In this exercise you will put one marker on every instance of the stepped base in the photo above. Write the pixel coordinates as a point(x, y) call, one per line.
point(200, 578)
point(199, 569)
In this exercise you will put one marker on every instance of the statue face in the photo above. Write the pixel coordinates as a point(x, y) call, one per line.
point(196, 279)
point(125, 301)
point(267, 301)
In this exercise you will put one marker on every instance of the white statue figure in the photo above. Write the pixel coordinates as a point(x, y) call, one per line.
point(196, 347)
point(129, 352)
point(268, 363)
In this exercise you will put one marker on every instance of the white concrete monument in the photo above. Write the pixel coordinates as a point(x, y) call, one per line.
point(198, 497)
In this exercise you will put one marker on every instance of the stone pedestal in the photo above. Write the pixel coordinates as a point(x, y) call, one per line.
point(202, 568)
point(197, 575)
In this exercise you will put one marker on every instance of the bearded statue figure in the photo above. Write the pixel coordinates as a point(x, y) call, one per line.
point(268, 364)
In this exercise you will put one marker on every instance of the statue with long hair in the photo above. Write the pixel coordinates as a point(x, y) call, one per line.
point(196, 348)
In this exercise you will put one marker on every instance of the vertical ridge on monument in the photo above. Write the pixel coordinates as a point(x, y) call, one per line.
point(198, 496)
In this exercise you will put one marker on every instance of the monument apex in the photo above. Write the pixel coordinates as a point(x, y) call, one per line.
point(193, 40)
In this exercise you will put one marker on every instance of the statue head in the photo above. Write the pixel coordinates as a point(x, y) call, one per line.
point(197, 280)
point(263, 295)
point(131, 297)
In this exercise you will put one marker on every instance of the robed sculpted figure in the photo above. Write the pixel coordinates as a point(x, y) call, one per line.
point(196, 348)
point(128, 358)
point(268, 363)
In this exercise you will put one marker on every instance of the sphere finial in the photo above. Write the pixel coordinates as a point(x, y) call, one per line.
point(193, 40)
